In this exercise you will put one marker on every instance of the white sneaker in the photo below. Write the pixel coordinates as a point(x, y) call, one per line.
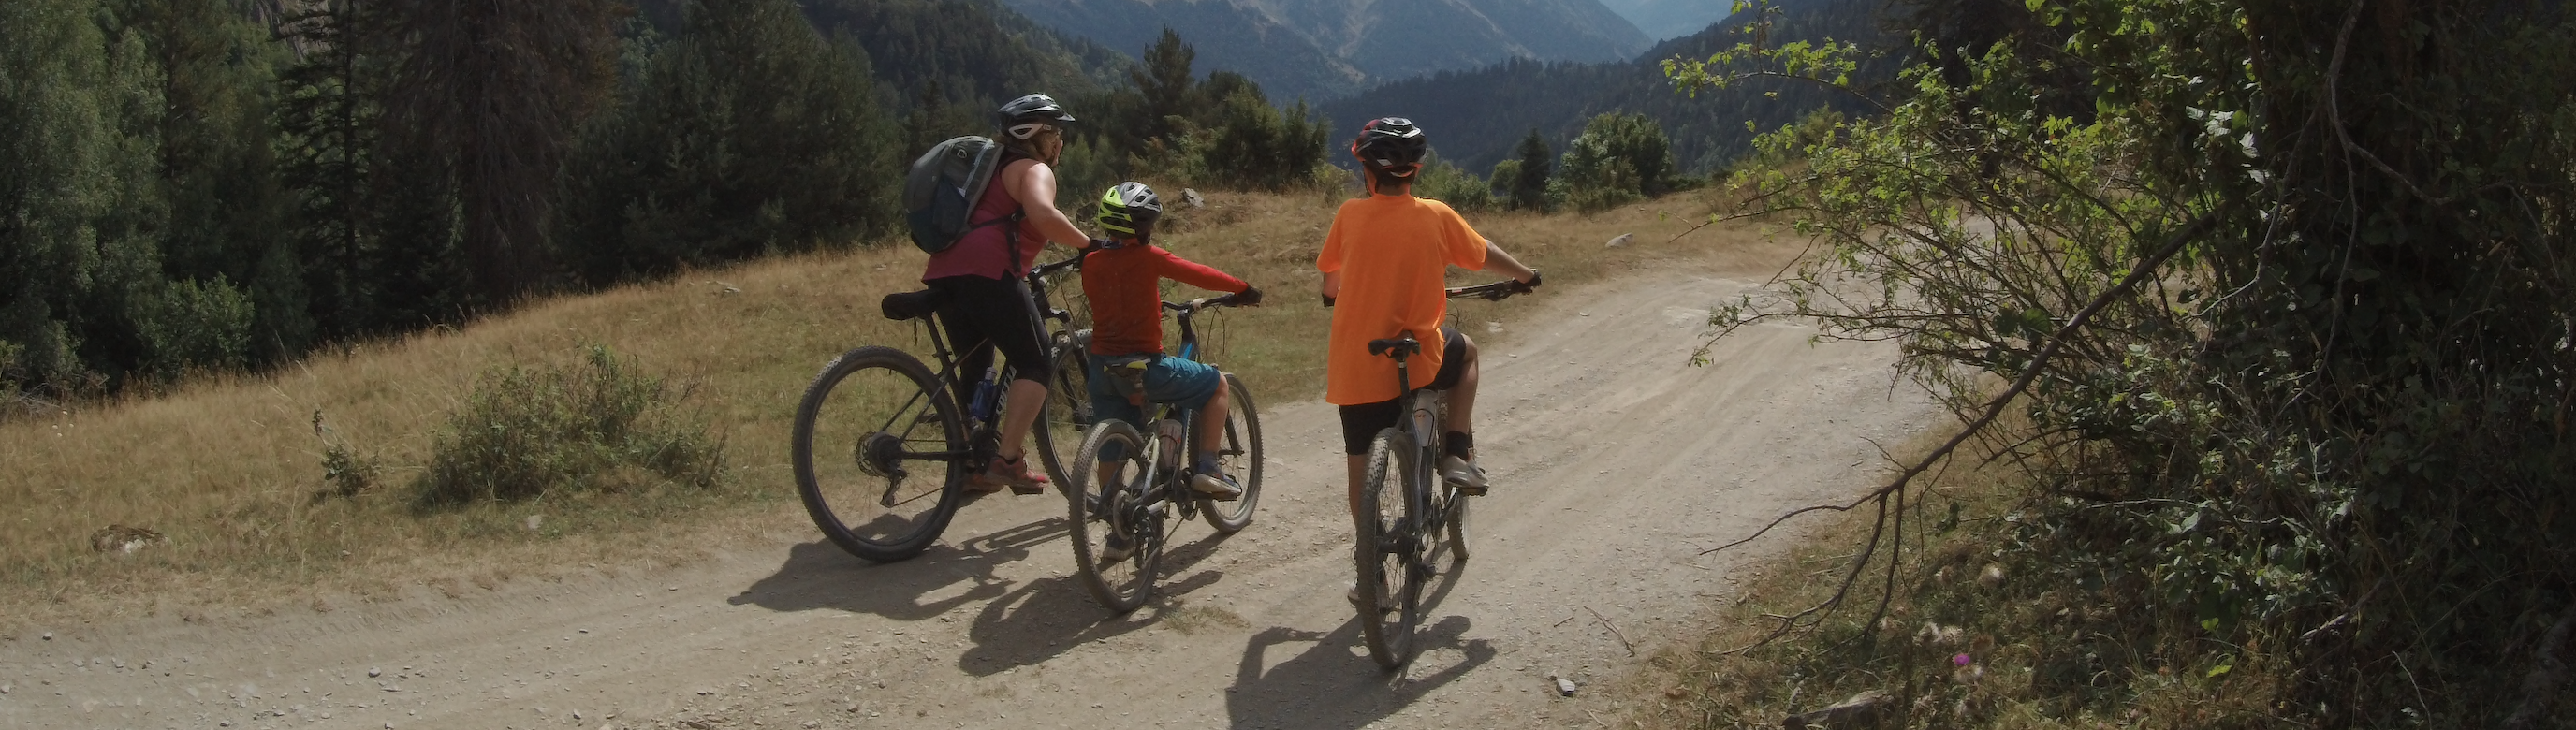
point(1469, 478)
point(1216, 486)
point(1116, 548)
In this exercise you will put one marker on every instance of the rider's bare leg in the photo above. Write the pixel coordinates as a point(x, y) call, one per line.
point(1211, 421)
point(1019, 411)
point(1359, 471)
point(1462, 397)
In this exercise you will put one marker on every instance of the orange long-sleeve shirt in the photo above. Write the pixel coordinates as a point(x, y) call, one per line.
point(1124, 285)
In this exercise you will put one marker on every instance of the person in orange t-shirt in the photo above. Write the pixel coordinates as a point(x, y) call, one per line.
point(1122, 277)
point(1383, 264)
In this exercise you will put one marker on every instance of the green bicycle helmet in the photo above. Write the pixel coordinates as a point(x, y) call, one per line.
point(1130, 209)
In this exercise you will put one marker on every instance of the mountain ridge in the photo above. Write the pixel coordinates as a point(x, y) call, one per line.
point(1476, 116)
point(1668, 19)
point(1318, 49)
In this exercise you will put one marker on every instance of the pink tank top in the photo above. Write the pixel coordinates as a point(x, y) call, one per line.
point(985, 251)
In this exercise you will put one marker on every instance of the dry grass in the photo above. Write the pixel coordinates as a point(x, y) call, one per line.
point(2040, 652)
point(230, 470)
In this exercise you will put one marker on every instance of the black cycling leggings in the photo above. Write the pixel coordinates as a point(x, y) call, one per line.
point(979, 308)
point(1360, 423)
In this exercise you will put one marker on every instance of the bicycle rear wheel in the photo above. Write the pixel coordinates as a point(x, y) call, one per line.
point(1103, 510)
point(1239, 455)
point(1390, 545)
point(876, 453)
point(1066, 419)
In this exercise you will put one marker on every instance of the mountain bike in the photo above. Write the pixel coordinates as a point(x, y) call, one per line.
point(1401, 534)
point(877, 415)
point(1140, 498)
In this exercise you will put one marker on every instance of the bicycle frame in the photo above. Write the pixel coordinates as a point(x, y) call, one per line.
point(1430, 502)
point(984, 428)
point(1426, 425)
point(1422, 422)
point(1171, 484)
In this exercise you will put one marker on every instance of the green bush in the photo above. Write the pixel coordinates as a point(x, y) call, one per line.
point(526, 433)
point(1454, 185)
point(1253, 145)
point(1617, 159)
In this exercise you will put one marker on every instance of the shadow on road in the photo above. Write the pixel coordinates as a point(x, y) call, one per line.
point(1019, 624)
point(1051, 615)
point(819, 575)
point(1333, 685)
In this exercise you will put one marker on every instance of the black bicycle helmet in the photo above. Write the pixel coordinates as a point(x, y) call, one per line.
point(1392, 144)
point(1025, 116)
point(1130, 209)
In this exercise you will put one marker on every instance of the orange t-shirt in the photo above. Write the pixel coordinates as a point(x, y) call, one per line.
point(1394, 253)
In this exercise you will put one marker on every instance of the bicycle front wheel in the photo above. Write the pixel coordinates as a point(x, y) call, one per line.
point(876, 450)
point(1066, 419)
point(1457, 518)
point(1239, 456)
point(1117, 541)
point(1390, 545)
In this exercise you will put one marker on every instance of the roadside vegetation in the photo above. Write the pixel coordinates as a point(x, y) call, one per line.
point(2256, 319)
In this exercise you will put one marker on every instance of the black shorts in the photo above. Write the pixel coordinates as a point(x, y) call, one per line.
point(1360, 423)
point(979, 309)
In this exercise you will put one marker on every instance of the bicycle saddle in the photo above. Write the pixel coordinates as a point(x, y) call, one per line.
point(1405, 345)
point(912, 304)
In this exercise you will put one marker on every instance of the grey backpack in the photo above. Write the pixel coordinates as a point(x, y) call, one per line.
point(940, 192)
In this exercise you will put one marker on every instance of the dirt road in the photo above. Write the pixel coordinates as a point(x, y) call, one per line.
point(1615, 464)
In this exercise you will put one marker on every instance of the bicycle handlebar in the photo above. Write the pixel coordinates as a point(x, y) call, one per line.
point(1045, 269)
point(1495, 291)
point(1194, 305)
point(1491, 291)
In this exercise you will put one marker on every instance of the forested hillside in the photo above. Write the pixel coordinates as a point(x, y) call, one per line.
point(214, 185)
point(1475, 117)
point(1317, 49)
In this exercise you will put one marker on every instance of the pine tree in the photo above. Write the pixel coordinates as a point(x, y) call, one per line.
point(327, 127)
point(750, 134)
point(500, 87)
point(1164, 80)
point(1528, 185)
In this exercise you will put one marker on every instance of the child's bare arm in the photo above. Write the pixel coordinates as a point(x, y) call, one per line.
point(1499, 261)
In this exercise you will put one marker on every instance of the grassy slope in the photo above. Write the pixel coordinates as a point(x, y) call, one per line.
point(228, 468)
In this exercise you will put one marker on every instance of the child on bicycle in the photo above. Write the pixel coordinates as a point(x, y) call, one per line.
point(981, 279)
point(1122, 276)
point(1383, 263)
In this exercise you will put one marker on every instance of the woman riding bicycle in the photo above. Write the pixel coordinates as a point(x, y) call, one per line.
point(1383, 261)
point(980, 281)
point(1122, 279)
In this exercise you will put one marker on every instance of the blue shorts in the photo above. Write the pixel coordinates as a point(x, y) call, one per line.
point(1167, 380)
